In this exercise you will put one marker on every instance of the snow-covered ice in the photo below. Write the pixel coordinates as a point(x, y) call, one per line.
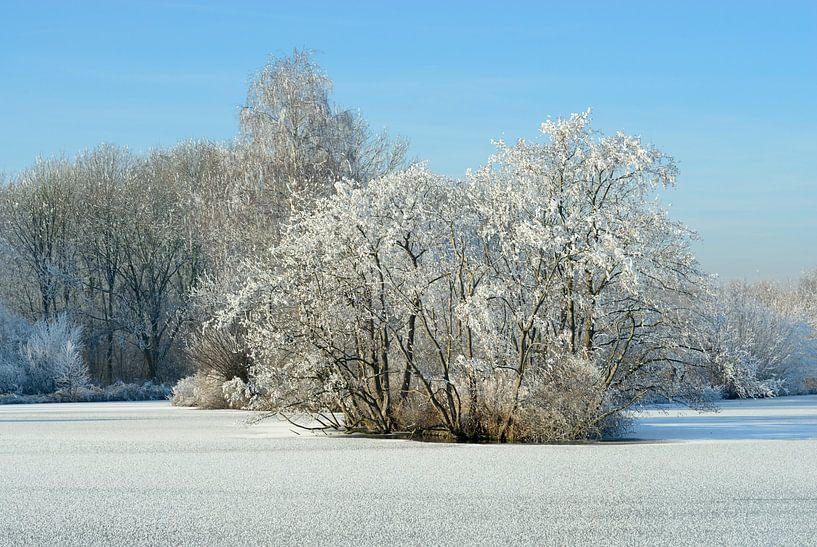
point(783, 418)
point(151, 474)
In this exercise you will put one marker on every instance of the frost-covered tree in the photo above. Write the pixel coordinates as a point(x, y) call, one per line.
point(300, 142)
point(583, 263)
point(335, 306)
point(757, 340)
point(294, 146)
point(544, 289)
point(805, 296)
point(122, 241)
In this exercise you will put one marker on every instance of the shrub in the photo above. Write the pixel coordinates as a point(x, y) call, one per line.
point(563, 401)
point(200, 390)
point(12, 374)
point(219, 352)
point(53, 358)
point(183, 392)
point(148, 391)
point(94, 394)
point(209, 391)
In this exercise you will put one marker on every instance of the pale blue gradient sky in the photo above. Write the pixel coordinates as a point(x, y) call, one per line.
point(728, 88)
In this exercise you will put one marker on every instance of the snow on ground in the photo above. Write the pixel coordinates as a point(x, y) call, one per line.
point(151, 474)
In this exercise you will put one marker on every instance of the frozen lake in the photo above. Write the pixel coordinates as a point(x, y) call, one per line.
point(149, 473)
point(784, 418)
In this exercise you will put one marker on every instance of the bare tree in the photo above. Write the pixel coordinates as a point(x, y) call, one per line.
point(301, 143)
point(39, 221)
point(159, 263)
point(103, 176)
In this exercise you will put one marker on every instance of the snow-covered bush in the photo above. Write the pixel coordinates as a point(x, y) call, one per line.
point(201, 390)
point(558, 403)
point(118, 391)
point(146, 391)
point(211, 391)
point(563, 403)
point(53, 358)
point(43, 359)
point(183, 393)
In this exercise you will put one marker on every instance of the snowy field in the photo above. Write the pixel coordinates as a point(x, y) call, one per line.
point(149, 473)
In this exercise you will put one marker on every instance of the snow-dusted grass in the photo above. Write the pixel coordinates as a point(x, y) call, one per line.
point(149, 473)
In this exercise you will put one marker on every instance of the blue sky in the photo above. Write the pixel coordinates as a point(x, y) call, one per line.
point(728, 88)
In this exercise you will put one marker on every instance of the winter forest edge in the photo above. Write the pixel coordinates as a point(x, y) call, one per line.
point(312, 269)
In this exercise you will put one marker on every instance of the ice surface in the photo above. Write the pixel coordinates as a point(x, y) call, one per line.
point(782, 418)
point(151, 474)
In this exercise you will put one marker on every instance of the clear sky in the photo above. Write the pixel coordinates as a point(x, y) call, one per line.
point(728, 88)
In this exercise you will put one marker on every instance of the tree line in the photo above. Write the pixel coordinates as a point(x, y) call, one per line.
point(309, 268)
point(119, 242)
